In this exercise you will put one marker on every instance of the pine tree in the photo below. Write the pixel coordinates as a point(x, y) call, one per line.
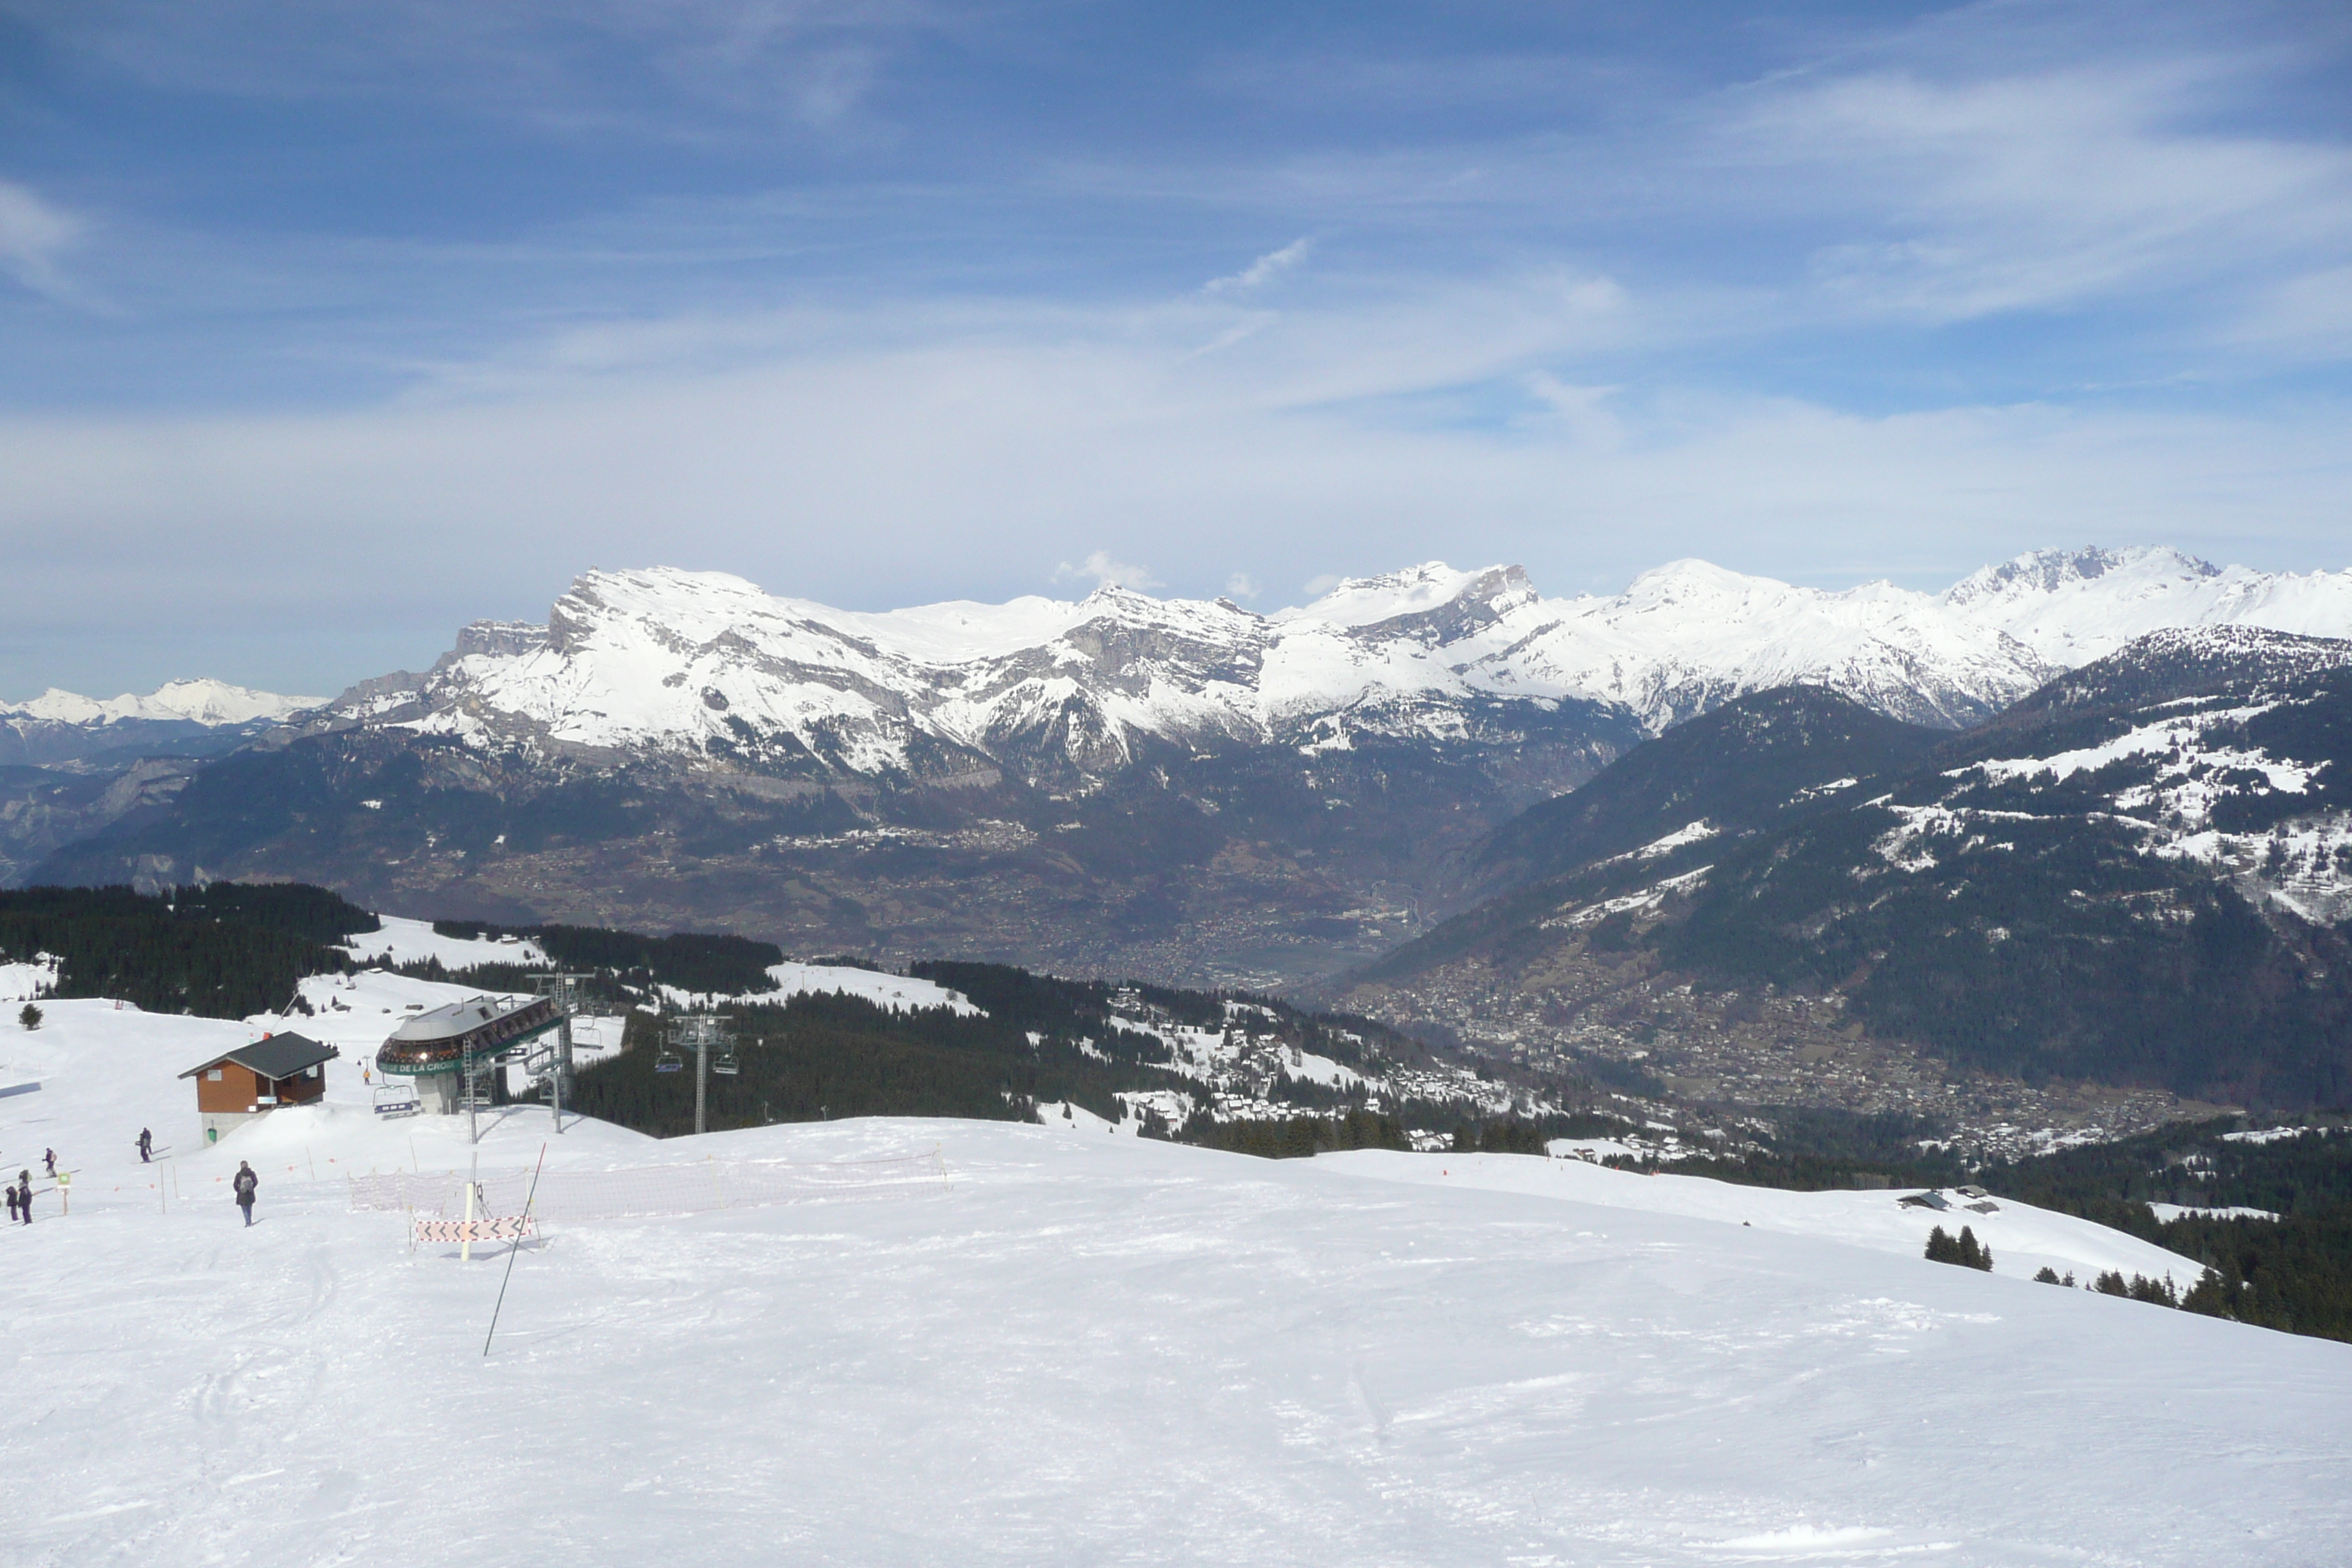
point(30, 1017)
point(1941, 1248)
point(1972, 1254)
point(2046, 1275)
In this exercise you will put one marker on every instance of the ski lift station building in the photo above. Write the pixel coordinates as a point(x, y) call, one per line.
point(256, 1080)
point(433, 1049)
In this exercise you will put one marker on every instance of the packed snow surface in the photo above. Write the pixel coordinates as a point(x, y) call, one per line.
point(1082, 1349)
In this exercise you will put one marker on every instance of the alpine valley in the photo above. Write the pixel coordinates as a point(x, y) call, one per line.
point(1716, 835)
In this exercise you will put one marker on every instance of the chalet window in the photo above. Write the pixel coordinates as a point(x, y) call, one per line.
point(212, 1075)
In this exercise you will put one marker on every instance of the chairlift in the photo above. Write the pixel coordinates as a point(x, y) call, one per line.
point(669, 1061)
point(724, 1063)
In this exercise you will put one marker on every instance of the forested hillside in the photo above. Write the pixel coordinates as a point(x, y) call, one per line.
point(219, 951)
point(2142, 876)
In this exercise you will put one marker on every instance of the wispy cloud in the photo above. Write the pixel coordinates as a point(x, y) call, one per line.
point(35, 235)
point(1262, 272)
point(2019, 191)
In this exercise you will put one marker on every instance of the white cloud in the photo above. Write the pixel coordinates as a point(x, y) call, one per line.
point(1262, 272)
point(1242, 586)
point(34, 234)
point(2023, 190)
point(1105, 573)
point(869, 470)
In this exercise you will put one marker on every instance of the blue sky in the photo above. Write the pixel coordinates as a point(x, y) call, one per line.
point(325, 328)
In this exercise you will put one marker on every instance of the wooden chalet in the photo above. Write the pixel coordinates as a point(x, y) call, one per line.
point(256, 1080)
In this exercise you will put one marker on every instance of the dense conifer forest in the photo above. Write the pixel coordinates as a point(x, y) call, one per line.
point(219, 951)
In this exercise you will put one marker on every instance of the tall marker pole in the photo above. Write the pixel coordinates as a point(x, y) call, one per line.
point(702, 1072)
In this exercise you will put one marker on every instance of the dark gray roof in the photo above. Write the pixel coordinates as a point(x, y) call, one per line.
point(280, 1055)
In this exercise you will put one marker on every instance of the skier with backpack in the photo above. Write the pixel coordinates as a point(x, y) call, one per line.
point(246, 1184)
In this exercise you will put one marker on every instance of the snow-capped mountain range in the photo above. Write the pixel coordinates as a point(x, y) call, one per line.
point(211, 703)
point(704, 662)
point(186, 718)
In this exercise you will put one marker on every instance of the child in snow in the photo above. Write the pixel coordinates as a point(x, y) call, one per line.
point(12, 1202)
point(246, 1184)
point(49, 1158)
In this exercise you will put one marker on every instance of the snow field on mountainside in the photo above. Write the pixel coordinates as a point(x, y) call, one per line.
point(24, 982)
point(1085, 1349)
point(412, 941)
point(894, 993)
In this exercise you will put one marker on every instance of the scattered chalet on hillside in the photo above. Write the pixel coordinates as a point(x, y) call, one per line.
point(256, 1080)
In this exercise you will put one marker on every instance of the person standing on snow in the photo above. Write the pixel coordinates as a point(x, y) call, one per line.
point(11, 1190)
point(25, 1197)
point(49, 1158)
point(246, 1184)
point(146, 1145)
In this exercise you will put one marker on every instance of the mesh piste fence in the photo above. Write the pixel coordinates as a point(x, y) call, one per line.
point(643, 1191)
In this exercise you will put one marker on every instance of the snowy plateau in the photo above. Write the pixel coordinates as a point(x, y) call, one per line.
point(1068, 1347)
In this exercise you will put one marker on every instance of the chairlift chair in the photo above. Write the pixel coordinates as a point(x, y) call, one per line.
point(669, 1061)
point(724, 1062)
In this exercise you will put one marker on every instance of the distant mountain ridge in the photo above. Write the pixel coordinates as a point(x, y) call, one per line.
point(1180, 789)
point(191, 717)
point(702, 661)
point(207, 703)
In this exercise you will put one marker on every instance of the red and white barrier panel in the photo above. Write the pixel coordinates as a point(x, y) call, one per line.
point(512, 1227)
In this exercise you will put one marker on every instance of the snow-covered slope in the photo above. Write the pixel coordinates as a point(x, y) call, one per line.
point(399, 941)
point(1081, 1349)
point(2071, 606)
